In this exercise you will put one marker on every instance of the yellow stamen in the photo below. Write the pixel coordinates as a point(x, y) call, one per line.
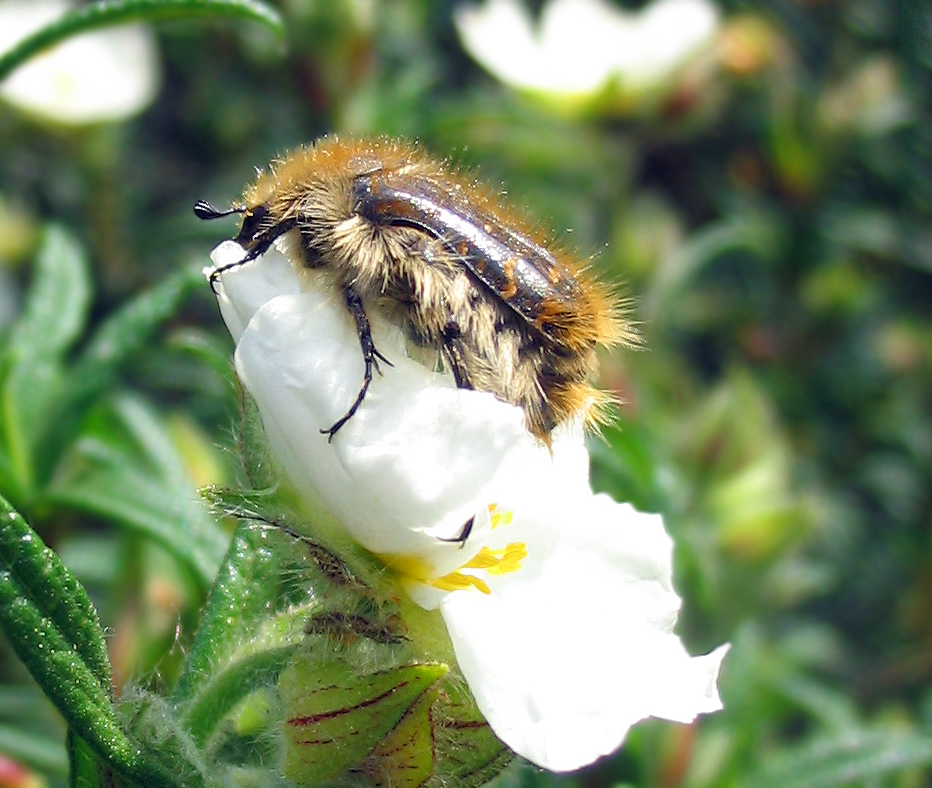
point(495, 562)
point(458, 581)
point(499, 517)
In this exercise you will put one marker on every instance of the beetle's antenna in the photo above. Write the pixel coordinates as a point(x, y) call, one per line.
point(204, 210)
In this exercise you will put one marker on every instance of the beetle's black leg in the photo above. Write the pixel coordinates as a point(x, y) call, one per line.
point(215, 274)
point(370, 355)
point(254, 236)
point(454, 354)
point(463, 535)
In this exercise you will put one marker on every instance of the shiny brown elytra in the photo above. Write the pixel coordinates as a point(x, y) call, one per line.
point(440, 255)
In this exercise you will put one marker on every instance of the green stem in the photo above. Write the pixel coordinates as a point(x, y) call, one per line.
point(117, 12)
point(229, 686)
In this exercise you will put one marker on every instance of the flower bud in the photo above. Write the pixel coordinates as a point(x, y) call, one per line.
point(339, 720)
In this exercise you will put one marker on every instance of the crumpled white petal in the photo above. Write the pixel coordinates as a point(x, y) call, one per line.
point(417, 460)
point(579, 45)
point(563, 649)
point(94, 77)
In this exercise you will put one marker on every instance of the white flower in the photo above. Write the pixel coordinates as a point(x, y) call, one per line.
point(559, 605)
point(102, 76)
point(580, 46)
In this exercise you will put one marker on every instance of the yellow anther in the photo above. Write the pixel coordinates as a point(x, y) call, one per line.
point(495, 562)
point(510, 560)
point(458, 581)
point(501, 561)
point(499, 517)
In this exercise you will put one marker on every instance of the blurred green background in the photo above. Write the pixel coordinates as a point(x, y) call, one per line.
point(764, 199)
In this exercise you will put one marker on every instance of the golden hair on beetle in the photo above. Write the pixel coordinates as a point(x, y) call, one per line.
point(440, 255)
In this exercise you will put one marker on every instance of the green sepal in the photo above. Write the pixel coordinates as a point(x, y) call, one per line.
point(468, 753)
point(405, 757)
point(154, 723)
point(336, 717)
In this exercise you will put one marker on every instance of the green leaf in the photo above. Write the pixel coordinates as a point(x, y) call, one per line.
point(210, 350)
point(54, 591)
point(87, 769)
point(127, 331)
point(42, 753)
point(246, 588)
point(31, 367)
point(117, 12)
point(846, 759)
point(623, 465)
point(56, 310)
point(148, 431)
point(663, 302)
point(119, 337)
point(60, 671)
point(130, 496)
point(233, 682)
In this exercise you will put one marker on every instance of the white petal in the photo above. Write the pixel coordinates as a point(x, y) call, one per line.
point(579, 45)
point(417, 460)
point(498, 35)
point(240, 294)
point(565, 655)
point(108, 75)
point(668, 33)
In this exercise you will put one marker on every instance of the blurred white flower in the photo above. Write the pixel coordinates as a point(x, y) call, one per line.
point(559, 603)
point(580, 48)
point(94, 77)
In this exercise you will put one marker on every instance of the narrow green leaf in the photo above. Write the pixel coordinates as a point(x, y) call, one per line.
point(121, 336)
point(754, 233)
point(623, 466)
point(117, 12)
point(211, 350)
point(42, 753)
point(59, 670)
point(150, 434)
point(56, 309)
point(132, 498)
point(245, 587)
point(55, 591)
point(65, 678)
point(32, 370)
point(126, 332)
point(846, 759)
point(87, 769)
